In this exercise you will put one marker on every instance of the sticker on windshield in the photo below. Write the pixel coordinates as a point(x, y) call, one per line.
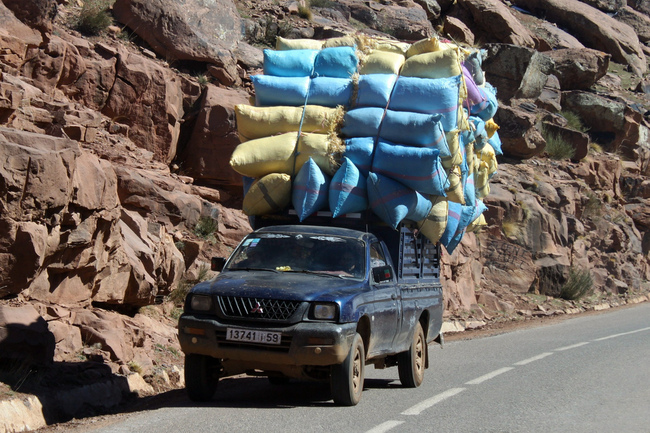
point(327, 238)
point(251, 242)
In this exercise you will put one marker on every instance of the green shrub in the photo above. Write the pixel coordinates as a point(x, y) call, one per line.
point(94, 17)
point(205, 227)
point(574, 121)
point(578, 284)
point(305, 12)
point(557, 147)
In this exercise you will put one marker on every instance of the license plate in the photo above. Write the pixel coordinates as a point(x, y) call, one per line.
point(253, 336)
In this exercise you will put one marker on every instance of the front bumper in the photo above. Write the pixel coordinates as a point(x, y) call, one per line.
point(302, 344)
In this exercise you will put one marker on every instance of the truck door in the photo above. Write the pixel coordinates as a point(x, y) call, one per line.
point(387, 307)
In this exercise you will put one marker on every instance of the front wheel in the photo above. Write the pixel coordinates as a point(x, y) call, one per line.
point(346, 380)
point(411, 364)
point(201, 376)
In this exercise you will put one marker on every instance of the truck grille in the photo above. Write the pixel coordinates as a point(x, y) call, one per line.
point(255, 308)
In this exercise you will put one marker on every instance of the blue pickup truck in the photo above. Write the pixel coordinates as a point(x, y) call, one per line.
point(315, 302)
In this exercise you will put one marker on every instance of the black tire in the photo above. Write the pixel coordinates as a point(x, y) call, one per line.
point(278, 380)
point(346, 380)
point(201, 376)
point(412, 363)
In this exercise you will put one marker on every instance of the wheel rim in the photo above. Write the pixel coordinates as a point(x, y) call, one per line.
point(356, 372)
point(418, 359)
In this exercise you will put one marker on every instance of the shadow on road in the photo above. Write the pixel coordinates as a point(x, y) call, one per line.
point(256, 392)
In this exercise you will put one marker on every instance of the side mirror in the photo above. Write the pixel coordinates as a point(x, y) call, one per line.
point(382, 273)
point(217, 264)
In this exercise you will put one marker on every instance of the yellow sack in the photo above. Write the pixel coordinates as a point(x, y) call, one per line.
point(381, 62)
point(269, 194)
point(456, 158)
point(392, 47)
point(455, 191)
point(481, 180)
point(326, 151)
point(428, 45)
point(343, 41)
point(470, 157)
point(297, 44)
point(489, 157)
point(257, 122)
point(437, 64)
point(277, 154)
point(477, 224)
point(491, 127)
point(433, 226)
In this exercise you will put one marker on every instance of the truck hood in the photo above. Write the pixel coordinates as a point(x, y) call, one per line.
point(281, 285)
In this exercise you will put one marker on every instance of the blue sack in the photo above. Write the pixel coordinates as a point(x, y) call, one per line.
point(310, 189)
point(374, 90)
point(348, 190)
point(362, 122)
point(453, 218)
point(429, 95)
point(290, 63)
point(419, 168)
point(415, 129)
point(289, 91)
point(336, 62)
point(360, 150)
point(479, 132)
point(330, 92)
point(392, 201)
point(495, 142)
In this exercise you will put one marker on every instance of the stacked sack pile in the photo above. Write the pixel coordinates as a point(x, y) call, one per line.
point(356, 123)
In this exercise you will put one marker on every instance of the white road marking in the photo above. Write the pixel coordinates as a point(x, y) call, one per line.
point(533, 359)
point(385, 426)
point(622, 334)
point(426, 404)
point(573, 346)
point(489, 376)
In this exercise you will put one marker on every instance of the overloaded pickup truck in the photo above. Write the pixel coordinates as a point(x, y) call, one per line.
point(315, 302)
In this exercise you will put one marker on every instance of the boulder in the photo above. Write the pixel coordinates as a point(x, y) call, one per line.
point(516, 72)
point(606, 5)
point(597, 29)
point(578, 69)
point(519, 137)
point(642, 6)
point(186, 29)
point(555, 37)
point(24, 335)
point(604, 117)
point(458, 30)
point(431, 7)
point(551, 276)
point(551, 97)
point(207, 154)
point(638, 21)
point(497, 23)
point(148, 98)
point(15, 35)
point(405, 20)
point(37, 14)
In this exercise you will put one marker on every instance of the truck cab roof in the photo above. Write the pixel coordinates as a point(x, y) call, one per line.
point(318, 230)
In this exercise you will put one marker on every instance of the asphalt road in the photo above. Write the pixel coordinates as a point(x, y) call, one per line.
point(586, 374)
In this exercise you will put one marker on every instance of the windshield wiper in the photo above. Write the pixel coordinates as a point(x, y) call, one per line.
point(253, 269)
point(321, 273)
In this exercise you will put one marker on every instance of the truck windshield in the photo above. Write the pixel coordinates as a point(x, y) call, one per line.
point(326, 255)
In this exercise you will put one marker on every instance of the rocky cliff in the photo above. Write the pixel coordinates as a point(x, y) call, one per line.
point(115, 141)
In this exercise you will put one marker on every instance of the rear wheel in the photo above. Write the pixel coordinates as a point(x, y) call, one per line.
point(347, 378)
point(201, 376)
point(411, 364)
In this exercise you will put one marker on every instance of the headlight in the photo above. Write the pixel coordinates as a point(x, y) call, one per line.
point(201, 303)
point(325, 311)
